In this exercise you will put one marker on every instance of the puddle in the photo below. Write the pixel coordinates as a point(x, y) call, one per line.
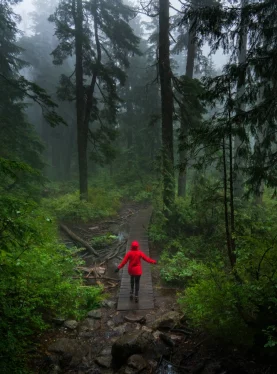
point(166, 367)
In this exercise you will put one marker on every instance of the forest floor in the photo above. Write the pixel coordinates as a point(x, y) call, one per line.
point(72, 347)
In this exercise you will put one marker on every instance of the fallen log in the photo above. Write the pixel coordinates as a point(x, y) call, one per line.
point(105, 278)
point(79, 240)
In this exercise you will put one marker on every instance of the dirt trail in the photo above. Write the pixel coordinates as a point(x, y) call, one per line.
point(86, 346)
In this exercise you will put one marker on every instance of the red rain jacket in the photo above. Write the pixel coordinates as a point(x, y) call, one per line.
point(134, 256)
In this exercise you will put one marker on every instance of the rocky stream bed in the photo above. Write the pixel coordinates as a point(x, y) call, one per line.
point(107, 341)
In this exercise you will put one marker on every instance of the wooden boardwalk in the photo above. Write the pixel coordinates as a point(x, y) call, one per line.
point(138, 232)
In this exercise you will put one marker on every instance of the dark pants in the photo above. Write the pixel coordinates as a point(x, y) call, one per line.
point(135, 282)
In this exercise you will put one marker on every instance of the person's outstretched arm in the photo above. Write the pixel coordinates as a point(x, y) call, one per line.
point(147, 259)
point(124, 261)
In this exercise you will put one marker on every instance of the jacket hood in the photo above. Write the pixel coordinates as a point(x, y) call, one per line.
point(134, 246)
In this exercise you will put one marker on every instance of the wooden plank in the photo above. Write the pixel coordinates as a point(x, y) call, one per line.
point(138, 232)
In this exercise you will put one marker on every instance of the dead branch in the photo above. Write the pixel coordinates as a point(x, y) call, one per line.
point(105, 278)
point(79, 240)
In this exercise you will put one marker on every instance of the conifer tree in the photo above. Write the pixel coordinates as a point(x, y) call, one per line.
point(18, 141)
point(166, 104)
point(99, 35)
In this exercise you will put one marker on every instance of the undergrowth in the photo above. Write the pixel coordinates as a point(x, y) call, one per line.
point(36, 280)
point(101, 203)
point(237, 305)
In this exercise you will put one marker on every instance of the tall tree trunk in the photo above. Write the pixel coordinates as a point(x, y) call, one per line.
point(82, 132)
point(167, 105)
point(45, 136)
point(232, 207)
point(182, 180)
point(226, 210)
point(71, 139)
point(238, 180)
point(130, 133)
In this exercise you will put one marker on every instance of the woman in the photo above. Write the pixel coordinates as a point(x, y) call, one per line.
point(134, 256)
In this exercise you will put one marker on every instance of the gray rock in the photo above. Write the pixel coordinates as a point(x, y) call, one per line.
point(110, 323)
point(137, 362)
point(96, 314)
point(145, 328)
point(87, 325)
point(71, 324)
point(130, 344)
point(109, 304)
point(106, 351)
point(104, 361)
point(168, 320)
point(70, 351)
point(55, 370)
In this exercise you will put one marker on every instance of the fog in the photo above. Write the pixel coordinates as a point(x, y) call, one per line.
point(26, 6)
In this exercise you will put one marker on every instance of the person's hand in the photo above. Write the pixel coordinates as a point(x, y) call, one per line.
point(116, 270)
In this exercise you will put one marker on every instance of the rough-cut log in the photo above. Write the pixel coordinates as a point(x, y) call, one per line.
point(77, 239)
point(105, 278)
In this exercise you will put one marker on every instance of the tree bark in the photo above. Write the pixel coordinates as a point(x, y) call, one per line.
point(130, 133)
point(82, 131)
point(226, 211)
point(238, 180)
point(71, 139)
point(166, 104)
point(77, 239)
point(232, 207)
point(182, 179)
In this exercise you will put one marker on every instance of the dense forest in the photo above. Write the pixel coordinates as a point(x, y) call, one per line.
point(103, 102)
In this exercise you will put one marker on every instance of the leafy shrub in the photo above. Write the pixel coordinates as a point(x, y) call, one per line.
point(212, 303)
point(100, 204)
point(36, 279)
point(178, 268)
point(240, 304)
point(103, 240)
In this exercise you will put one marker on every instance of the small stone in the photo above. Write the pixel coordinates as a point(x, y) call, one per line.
point(176, 338)
point(71, 324)
point(137, 362)
point(120, 329)
point(87, 325)
point(55, 370)
point(110, 324)
point(156, 335)
point(109, 304)
point(106, 351)
point(131, 343)
point(168, 320)
point(145, 328)
point(104, 361)
point(96, 314)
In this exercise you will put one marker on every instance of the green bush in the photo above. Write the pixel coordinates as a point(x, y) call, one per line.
point(36, 280)
point(102, 241)
point(211, 303)
point(240, 304)
point(101, 203)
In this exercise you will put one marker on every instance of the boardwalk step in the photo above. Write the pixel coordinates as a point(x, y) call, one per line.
point(138, 232)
